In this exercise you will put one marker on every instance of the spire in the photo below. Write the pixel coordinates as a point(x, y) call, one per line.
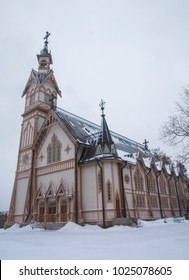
point(105, 139)
point(102, 103)
point(44, 58)
point(45, 49)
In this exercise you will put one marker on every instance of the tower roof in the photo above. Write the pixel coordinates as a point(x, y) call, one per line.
point(105, 138)
point(44, 52)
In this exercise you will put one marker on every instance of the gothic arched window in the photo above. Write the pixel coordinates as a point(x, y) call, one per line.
point(151, 183)
point(162, 184)
point(138, 179)
point(100, 181)
point(54, 150)
point(109, 192)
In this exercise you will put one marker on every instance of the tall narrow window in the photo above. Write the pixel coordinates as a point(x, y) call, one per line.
point(58, 151)
point(138, 180)
point(100, 181)
point(53, 141)
point(49, 159)
point(54, 150)
point(151, 183)
point(162, 183)
point(109, 195)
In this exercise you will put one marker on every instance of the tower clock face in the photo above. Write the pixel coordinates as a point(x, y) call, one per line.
point(25, 159)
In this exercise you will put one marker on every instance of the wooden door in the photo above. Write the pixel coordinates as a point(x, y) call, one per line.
point(41, 213)
point(51, 213)
point(64, 212)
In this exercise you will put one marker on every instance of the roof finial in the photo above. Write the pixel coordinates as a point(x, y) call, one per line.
point(102, 106)
point(45, 49)
point(146, 144)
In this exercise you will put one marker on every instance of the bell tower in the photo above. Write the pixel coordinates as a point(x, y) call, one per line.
point(44, 58)
point(41, 92)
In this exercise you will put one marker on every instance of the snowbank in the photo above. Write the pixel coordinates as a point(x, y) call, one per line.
point(153, 240)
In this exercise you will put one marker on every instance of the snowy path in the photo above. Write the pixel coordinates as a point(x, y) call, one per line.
point(155, 240)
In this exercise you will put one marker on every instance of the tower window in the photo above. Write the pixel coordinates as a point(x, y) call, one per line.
point(54, 150)
point(43, 64)
point(32, 99)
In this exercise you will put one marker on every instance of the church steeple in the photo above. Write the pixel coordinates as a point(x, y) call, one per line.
point(105, 139)
point(44, 58)
point(41, 92)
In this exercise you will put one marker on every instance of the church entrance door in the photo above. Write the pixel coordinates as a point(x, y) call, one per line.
point(41, 213)
point(52, 213)
point(64, 212)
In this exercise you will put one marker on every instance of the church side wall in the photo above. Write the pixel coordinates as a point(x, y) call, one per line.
point(128, 188)
point(20, 199)
point(90, 209)
point(111, 188)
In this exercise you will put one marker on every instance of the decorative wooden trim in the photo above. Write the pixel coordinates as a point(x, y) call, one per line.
point(56, 167)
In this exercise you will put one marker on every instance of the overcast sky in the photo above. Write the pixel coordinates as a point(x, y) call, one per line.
point(132, 53)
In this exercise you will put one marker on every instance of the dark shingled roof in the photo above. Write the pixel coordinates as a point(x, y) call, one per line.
point(88, 133)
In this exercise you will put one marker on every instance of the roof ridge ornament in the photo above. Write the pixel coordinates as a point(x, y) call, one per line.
point(45, 49)
point(102, 106)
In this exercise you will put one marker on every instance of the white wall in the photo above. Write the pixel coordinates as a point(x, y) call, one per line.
point(20, 199)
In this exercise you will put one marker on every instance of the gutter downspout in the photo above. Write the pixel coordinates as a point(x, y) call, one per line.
point(76, 186)
point(178, 196)
point(161, 212)
point(122, 189)
point(103, 206)
point(172, 208)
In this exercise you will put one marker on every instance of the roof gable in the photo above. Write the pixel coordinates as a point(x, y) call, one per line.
point(39, 79)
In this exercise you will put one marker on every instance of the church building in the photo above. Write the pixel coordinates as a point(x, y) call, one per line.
point(70, 169)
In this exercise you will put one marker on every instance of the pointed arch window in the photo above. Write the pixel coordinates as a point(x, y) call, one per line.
point(54, 150)
point(109, 192)
point(151, 183)
point(100, 181)
point(138, 179)
point(162, 183)
point(172, 187)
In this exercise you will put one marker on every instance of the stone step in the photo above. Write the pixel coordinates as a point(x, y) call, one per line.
point(48, 225)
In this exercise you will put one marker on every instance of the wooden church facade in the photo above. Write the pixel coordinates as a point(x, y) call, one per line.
point(70, 169)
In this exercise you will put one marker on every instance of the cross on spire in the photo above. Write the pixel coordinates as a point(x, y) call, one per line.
point(102, 106)
point(45, 49)
point(46, 37)
point(146, 144)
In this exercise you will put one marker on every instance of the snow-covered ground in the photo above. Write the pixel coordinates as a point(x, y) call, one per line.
point(152, 241)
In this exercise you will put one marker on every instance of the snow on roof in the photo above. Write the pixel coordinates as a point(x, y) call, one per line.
point(167, 167)
point(176, 171)
point(87, 132)
point(147, 161)
point(126, 156)
point(158, 165)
